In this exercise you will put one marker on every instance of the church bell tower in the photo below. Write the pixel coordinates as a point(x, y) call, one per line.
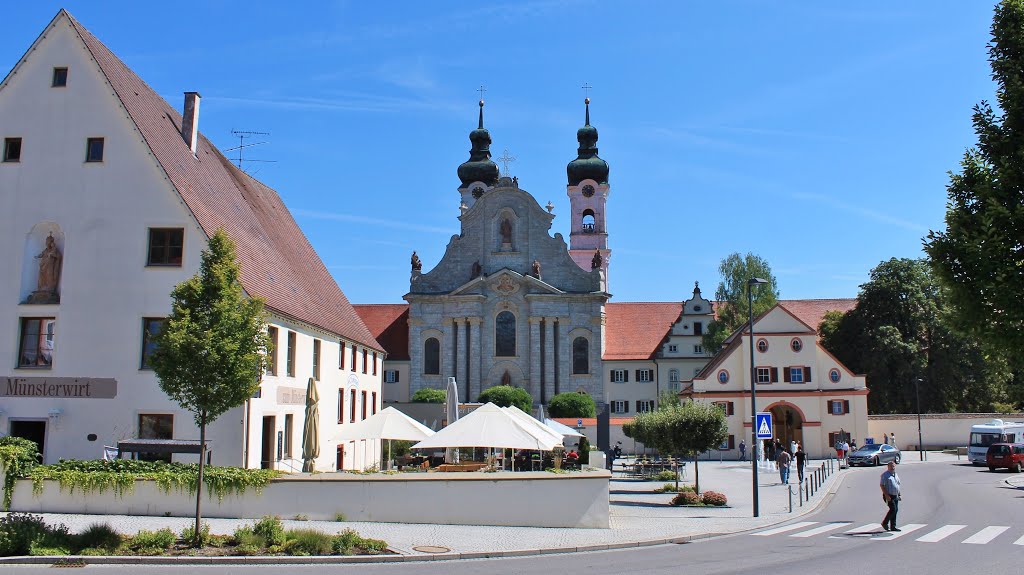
point(588, 196)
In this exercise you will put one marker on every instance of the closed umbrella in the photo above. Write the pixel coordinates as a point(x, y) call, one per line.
point(451, 409)
point(311, 429)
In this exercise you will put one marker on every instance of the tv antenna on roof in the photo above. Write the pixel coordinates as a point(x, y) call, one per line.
point(242, 145)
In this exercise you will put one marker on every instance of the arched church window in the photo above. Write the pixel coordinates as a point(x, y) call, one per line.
point(505, 334)
point(432, 357)
point(673, 375)
point(580, 356)
point(588, 221)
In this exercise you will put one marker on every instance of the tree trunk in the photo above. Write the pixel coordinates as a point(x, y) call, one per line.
point(198, 541)
point(696, 475)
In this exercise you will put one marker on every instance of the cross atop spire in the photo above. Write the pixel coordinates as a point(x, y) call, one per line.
point(505, 159)
point(586, 89)
point(481, 89)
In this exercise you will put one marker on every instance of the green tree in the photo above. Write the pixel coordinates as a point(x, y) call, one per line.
point(980, 255)
point(685, 430)
point(731, 296)
point(898, 332)
point(211, 351)
point(428, 395)
point(667, 399)
point(572, 404)
point(506, 395)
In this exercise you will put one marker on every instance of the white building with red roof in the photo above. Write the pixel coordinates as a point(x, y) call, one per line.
point(130, 192)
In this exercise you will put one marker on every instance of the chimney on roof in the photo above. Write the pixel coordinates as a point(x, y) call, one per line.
point(190, 120)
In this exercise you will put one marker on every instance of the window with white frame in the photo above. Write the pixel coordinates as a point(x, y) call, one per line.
point(673, 348)
point(673, 386)
point(645, 375)
point(390, 376)
point(673, 375)
point(644, 405)
point(620, 406)
point(764, 375)
point(796, 374)
point(698, 349)
point(618, 376)
point(838, 406)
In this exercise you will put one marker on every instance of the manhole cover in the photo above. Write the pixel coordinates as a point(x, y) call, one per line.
point(431, 549)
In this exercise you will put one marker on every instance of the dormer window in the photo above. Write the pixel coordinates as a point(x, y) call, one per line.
point(60, 78)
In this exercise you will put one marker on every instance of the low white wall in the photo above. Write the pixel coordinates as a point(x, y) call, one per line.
point(938, 430)
point(535, 499)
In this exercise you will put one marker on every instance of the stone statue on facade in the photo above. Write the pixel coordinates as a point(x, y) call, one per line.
point(50, 262)
point(506, 231)
point(506, 378)
point(477, 270)
point(536, 269)
point(598, 261)
point(417, 265)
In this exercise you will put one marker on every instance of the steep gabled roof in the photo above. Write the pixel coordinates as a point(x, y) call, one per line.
point(636, 330)
point(811, 311)
point(389, 323)
point(277, 262)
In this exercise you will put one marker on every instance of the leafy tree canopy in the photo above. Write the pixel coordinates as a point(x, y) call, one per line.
point(731, 296)
point(980, 255)
point(506, 395)
point(686, 430)
point(572, 404)
point(428, 395)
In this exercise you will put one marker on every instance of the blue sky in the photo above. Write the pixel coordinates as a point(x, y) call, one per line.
point(814, 134)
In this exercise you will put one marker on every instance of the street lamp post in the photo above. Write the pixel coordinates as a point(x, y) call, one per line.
point(753, 388)
point(917, 396)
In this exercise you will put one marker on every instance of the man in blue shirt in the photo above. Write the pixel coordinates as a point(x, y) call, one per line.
point(890, 486)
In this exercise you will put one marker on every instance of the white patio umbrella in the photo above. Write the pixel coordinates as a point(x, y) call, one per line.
point(489, 426)
point(529, 421)
point(451, 410)
point(388, 423)
point(562, 428)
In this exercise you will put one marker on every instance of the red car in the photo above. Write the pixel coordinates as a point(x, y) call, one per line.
point(1008, 455)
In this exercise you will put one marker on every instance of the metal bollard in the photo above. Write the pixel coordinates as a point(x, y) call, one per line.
point(790, 489)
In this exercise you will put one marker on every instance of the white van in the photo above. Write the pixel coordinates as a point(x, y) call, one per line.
point(985, 434)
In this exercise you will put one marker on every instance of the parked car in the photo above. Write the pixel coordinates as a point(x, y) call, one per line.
point(875, 454)
point(1005, 455)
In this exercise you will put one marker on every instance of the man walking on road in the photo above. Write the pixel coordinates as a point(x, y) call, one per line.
point(801, 458)
point(890, 486)
point(743, 450)
point(783, 458)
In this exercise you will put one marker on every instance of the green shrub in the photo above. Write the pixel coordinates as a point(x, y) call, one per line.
point(584, 451)
point(375, 546)
point(307, 542)
point(270, 529)
point(149, 541)
point(188, 534)
point(339, 517)
point(39, 551)
point(248, 549)
point(572, 404)
point(18, 531)
point(17, 458)
point(686, 498)
point(665, 476)
point(428, 395)
point(246, 536)
point(100, 536)
point(344, 543)
point(506, 395)
point(669, 488)
point(93, 552)
point(714, 498)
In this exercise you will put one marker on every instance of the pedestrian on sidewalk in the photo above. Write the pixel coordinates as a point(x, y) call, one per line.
point(890, 486)
point(783, 458)
point(892, 439)
point(885, 438)
point(743, 450)
point(801, 459)
point(771, 450)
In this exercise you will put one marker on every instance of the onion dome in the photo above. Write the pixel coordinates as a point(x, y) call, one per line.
point(479, 168)
point(587, 165)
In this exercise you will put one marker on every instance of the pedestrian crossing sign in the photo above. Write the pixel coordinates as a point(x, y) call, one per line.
point(763, 421)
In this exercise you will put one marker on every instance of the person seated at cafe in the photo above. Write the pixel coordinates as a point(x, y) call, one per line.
point(572, 458)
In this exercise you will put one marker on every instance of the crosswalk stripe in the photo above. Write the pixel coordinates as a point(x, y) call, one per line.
point(905, 530)
point(783, 529)
point(866, 529)
point(1019, 541)
point(823, 529)
point(985, 535)
point(940, 533)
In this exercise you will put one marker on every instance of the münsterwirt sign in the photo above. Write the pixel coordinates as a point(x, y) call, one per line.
point(59, 387)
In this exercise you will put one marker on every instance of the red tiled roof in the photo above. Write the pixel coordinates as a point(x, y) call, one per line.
point(389, 324)
point(277, 262)
point(811, 311)
point(635, 330)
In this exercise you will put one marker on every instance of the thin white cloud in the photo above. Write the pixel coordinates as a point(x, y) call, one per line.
point(337, 217)
point(865, 212)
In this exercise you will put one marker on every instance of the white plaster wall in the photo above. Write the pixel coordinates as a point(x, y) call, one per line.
point(536, 499)
point(632, 390)
point(938, 430)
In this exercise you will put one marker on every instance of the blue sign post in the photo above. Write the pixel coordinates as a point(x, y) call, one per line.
point(763, 421)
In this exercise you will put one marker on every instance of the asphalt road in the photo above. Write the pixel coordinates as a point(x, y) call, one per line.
point(955, 519)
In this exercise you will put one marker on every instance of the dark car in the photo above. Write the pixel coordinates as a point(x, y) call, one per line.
point(1005, 455)
point(875, 454)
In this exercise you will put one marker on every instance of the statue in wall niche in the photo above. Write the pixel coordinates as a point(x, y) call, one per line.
point(506, 231)
point(506, 378)
point(536, 269)
point(475, 273)
point(598, 261)
point(50, 262)
point(417, 265)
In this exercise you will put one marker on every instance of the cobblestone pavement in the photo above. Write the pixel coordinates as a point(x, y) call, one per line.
point(638, 516)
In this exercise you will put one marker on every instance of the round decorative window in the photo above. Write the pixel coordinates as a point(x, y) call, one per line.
point(588, 191)
point(477, 192)
point(796, 344)
point(834, 375)
point(697, 308)
point(762, 345)
point(723, 376)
